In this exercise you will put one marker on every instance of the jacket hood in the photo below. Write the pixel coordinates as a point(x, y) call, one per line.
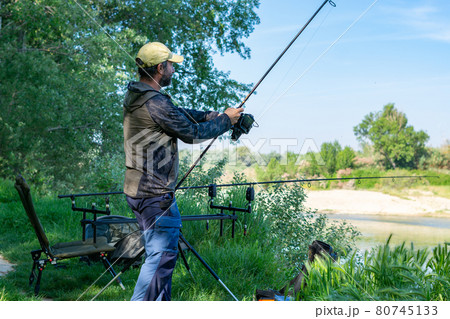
point(137, 95)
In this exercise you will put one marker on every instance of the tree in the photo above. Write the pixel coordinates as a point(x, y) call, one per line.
point(312, 168)
point(62, 77)
point(329, 153)
point(392, 137)
point(197, 29)
point(58, 88)
point(345, 158)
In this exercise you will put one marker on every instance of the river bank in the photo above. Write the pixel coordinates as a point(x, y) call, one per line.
point(418, 217)
point(413, 202)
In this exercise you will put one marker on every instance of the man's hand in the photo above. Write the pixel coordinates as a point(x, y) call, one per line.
point(234, 114)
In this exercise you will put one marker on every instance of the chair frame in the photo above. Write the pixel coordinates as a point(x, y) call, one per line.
point(39, 264)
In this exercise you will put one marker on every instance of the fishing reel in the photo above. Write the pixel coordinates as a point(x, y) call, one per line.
point(243, 126)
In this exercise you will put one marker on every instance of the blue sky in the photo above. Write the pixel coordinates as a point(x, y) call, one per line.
point(398, 52)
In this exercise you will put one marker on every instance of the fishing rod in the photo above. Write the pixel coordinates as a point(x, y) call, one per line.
point(308, 180)
point(243, 126)
point(246, 121)
point(212, 188)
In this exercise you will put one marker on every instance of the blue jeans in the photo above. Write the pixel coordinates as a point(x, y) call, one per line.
point(160, 222)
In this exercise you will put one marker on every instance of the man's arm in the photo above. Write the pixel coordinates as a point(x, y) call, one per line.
point(199, 116)
point(175, 122)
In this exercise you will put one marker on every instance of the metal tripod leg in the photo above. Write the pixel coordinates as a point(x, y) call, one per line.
point(180, 250)
point(111, 270)
point(206, 265)
point(125, 268)
point(130, 263)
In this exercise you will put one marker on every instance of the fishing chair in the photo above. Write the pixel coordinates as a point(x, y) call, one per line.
point(59, 251)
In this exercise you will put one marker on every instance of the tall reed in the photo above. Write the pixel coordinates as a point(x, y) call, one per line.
point(385, 273)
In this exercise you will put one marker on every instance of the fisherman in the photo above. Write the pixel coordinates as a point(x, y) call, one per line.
point(152, 125)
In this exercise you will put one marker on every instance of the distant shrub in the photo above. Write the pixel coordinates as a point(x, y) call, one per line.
point(345, 158)
point(294, 227)
point(436, 158)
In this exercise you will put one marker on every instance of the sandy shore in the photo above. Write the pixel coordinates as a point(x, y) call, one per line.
point(370, 202)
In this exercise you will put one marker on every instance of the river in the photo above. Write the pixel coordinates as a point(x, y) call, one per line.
point(422, 231)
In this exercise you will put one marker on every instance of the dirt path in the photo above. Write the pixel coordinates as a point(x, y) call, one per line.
point(5, 266)
point(370, 202)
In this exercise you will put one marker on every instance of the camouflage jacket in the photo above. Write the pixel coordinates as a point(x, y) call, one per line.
point(152, 124)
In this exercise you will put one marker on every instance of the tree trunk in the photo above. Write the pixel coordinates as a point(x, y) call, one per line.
point(388, 158)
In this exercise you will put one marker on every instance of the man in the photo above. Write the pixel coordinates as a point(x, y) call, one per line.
point(152, 126)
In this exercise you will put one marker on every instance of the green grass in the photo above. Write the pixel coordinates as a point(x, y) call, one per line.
point(244, 263)
point(385, 273)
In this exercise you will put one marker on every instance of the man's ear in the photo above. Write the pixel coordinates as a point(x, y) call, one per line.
point(160, 68)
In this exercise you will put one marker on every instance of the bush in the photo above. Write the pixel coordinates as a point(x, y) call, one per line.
point(345, 158)
point(279, 230)
point(294, 227)
point(436, 158)
point(7, 191)
point(329, 153)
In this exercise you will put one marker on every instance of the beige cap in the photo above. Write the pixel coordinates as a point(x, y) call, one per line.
point(154, 53)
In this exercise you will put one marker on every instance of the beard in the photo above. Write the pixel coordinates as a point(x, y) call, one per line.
point(165, 80)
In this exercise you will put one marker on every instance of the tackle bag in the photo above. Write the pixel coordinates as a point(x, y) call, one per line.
point(121, 232)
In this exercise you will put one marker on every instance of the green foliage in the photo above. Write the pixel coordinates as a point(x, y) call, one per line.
point(290, 166)
point(329, 153)
point(196, 29)
point(270, 172)
point(7, 191)
point(3, 295)
point(385, 273)
point(434, 178)
point(390, 135)
point(62, 77)
point(345, 158)
point(334, 158)
point(57, 106)
point(279, 167)
point(279, 230)
point(436, 158)
point(312, 168)
point(294, 227)
point(244, 156)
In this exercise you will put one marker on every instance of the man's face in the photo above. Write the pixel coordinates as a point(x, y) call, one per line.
point(167, 75)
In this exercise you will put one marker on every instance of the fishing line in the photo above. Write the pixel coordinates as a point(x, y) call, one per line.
point(257, 85)
point(160, 87)
point(99, 277)
point(268, 197)
point(241, 103)
point(313, 180)
point(318, 58)
point(298, 56)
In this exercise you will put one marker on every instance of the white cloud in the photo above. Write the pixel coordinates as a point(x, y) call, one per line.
point(426, 21)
